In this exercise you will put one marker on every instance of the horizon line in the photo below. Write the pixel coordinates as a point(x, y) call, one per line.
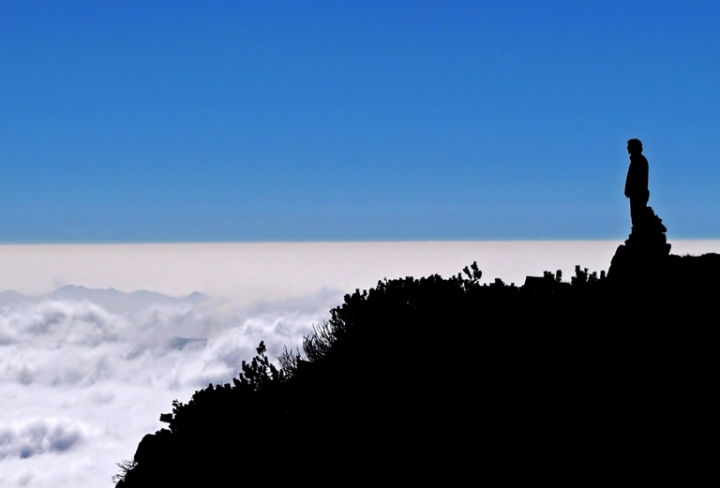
point(323, 241)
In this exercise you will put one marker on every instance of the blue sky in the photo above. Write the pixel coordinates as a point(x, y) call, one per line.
point(174, 121)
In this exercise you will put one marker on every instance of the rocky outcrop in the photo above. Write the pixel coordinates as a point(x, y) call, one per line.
point(644, 252)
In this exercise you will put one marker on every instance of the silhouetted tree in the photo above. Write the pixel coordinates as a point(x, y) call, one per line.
point(437, 381)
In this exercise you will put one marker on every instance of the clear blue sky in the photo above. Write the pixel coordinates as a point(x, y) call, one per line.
point(132, 121)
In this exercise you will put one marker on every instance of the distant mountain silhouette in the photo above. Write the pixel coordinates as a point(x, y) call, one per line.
point(110, 299)
point(11, 297)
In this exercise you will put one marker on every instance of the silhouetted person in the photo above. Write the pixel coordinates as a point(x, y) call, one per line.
point(636, 184)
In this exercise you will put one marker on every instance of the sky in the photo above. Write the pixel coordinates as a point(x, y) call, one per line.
point(148, 121)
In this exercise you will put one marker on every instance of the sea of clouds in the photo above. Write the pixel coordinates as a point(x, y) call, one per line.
point(86, 369)
point(85, 373)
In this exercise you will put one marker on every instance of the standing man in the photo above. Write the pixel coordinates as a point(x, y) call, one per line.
point(636, 184)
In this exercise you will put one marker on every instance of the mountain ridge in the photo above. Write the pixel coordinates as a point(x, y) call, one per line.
point(110, 299)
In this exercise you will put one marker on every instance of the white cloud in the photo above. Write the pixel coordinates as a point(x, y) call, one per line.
point(81, 385)
point(31, 437)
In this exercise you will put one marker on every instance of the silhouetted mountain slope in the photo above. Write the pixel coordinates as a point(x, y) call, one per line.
point(445, 381)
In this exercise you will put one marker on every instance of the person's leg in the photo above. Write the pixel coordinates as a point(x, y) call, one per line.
point(637, 205)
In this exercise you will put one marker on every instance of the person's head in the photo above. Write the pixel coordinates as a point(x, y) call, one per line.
point(634, 146)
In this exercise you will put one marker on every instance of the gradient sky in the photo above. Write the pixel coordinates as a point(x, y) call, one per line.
point(176, 121)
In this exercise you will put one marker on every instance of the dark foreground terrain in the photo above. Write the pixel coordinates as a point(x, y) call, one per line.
point(446, 382)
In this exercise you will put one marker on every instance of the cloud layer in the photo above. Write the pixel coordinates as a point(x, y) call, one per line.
point(86, 373)
point(35, 436)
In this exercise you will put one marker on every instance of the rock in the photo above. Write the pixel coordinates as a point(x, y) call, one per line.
point(643, 253)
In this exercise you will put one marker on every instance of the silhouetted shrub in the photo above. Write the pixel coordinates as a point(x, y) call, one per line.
point(437, 381)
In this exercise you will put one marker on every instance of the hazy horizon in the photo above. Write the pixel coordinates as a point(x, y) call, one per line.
point(292, 269)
